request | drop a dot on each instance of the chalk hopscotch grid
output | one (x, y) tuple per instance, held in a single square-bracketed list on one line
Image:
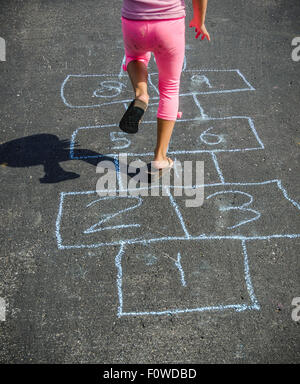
[(250, 121), (187, 235), (192, 93), (123, 243), (236, 307), (212, 152)]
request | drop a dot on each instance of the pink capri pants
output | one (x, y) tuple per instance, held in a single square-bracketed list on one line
[(166, 39)]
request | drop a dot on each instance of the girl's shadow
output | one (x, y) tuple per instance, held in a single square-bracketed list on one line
[(47, 150)]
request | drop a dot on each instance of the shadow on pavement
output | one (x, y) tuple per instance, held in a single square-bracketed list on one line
[(47, 150)]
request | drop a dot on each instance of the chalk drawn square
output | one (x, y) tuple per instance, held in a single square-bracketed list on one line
[(86, 220), (184, 276), (90, 91), (109, 140), (243, 210), (201, 82), (215, 135)]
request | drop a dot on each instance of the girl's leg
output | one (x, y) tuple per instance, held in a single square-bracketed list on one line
[(137, 57), (169, 56), (164, 133), (138, 75)]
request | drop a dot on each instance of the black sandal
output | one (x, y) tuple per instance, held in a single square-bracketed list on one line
[(133, 116)]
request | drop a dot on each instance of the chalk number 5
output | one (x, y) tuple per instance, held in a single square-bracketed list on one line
[(119, 136)]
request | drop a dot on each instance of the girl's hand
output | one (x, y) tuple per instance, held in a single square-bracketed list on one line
[(200, 29)]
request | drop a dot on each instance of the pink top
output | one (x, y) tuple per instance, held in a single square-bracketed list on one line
[(153, 9)]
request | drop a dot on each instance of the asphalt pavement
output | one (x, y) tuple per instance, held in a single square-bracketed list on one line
[(147, 279)]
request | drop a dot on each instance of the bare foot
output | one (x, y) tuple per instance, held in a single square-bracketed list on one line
[(161, 164)]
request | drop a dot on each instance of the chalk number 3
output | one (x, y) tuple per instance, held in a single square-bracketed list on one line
[(243, 207)]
